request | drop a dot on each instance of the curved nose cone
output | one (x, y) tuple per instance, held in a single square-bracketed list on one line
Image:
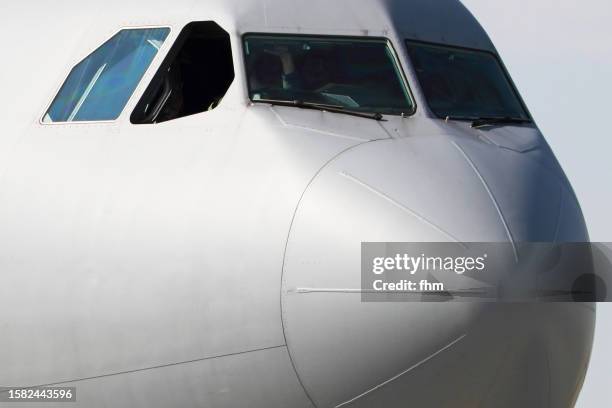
[(349, 353)]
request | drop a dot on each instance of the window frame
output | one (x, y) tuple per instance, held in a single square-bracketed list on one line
[(154, 61), (387, 41), (495, 56)]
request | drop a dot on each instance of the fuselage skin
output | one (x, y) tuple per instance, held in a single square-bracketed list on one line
[(160, 265)]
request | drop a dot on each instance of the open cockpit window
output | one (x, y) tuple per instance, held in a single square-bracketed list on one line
[(99, 87), (194, 77), (350, 74)]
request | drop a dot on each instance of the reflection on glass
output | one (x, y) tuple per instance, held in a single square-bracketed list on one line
[(99, 87)]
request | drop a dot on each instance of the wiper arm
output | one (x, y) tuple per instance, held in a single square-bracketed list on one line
[(507, 120), (478, 122), (323, 107)]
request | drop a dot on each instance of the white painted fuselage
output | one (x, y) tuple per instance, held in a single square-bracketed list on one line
[(160, 265)]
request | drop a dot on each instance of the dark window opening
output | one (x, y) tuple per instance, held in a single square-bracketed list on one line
[(194, 77)]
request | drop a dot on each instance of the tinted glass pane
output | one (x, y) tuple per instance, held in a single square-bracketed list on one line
[(359, 74), (99, 86), (464, 83)]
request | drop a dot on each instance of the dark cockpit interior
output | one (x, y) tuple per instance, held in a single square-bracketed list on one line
[(194, 77)]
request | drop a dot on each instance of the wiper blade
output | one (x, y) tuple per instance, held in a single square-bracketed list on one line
[(507, 120), (486, 121), (323, 107)]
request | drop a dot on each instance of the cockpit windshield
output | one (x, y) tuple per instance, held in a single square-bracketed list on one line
[(360, 75), (465, 84)]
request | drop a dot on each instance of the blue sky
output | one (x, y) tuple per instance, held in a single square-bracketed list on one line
[(559, 53)]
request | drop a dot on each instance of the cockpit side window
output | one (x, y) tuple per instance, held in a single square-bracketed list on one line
[(99, 87), (193, 78)]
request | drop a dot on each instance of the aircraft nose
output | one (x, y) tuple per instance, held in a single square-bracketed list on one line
[(350, 353)]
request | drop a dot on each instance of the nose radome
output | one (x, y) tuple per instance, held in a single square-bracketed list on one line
[(530, 192), (350, 353)]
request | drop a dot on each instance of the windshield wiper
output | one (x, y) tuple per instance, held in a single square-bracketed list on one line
[(323, 107), (478, 122), (492, 121)]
